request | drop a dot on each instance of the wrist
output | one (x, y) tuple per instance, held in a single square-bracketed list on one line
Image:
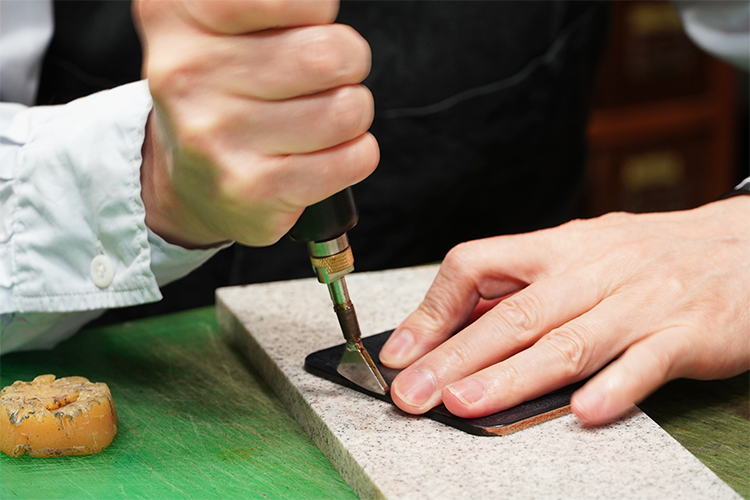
[(166, 214)]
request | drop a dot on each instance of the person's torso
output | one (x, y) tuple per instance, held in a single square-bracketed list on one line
[(480, 115)]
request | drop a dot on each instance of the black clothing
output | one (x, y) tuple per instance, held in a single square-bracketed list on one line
[(481, 109)]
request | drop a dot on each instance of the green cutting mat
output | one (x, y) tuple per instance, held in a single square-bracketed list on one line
[(712, 420), (195, 421)]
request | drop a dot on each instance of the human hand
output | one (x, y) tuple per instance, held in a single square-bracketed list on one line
[(258, 113), (664, 295)]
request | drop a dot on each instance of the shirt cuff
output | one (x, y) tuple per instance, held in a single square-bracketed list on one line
[(171, 262), (77, 239)]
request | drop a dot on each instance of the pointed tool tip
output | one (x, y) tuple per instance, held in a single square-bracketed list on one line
[(357, 366)]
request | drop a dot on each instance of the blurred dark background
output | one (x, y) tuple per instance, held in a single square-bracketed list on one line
[(669, 129)]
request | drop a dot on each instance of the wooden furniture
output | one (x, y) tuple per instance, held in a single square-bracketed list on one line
[(662, 135)]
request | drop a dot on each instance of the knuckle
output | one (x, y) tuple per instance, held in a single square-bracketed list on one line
[(574, 223), (352, 111), (615, 217), (521, 311), (320, 57), (673, 286), (362, 159), (574, 228), (568, 348), (196, 135), (454, 355), (263, 186), (460, 257), (231, 187), (146, 10), (352, 53), (432, 312), (170, 77), (333, 55)]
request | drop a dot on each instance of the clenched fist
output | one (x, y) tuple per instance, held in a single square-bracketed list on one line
[(258, 113)]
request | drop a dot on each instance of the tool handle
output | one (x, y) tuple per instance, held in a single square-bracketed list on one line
[(327, 219)]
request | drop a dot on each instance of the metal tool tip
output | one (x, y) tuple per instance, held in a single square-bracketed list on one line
[(357, 366)]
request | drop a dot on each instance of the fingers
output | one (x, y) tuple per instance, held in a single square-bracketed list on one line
[(259, 113), (335, 169), (514, 324), (642, 369), (301, 125), (483, 269), (271, 65), (235, 17), (279, 91), (315, 58), (232, 17), (565, 355), (257, 206), (309, 123)]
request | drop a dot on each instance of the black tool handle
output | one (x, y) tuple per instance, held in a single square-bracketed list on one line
[(327, 219)]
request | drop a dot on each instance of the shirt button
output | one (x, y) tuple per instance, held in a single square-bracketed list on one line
[(102, 271)]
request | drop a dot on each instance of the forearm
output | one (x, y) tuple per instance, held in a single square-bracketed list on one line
[(70, 200)]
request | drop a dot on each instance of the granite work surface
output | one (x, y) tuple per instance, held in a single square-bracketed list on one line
[(384, 453)]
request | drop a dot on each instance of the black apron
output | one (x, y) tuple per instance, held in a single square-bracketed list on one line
[(480, 113)]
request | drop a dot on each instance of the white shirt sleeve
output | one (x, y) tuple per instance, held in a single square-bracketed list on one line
[(73, 241), (721, 28)]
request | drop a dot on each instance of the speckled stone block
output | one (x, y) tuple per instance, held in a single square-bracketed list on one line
[(384, 453)]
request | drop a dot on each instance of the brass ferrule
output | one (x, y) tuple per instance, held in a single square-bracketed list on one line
[(331, 260)]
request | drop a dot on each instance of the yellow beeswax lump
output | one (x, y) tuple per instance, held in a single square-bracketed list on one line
[(48, 417)]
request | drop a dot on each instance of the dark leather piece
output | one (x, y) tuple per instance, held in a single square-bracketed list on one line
[(323, 364), (738, 191)]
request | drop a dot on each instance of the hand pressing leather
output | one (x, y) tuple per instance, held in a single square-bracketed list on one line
[(258, 113), (664, 295)]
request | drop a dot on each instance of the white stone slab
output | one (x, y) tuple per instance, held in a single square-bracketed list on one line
[(384, 453)]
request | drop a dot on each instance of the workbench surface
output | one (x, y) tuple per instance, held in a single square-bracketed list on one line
[(196, 421)]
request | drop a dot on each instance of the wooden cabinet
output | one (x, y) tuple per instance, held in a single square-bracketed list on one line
[(662, 135)]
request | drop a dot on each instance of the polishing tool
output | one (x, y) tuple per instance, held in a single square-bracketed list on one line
[(323, 226)]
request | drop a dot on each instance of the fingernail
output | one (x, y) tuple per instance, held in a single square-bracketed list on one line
[(468, 391), (416, 387), (398, 345)]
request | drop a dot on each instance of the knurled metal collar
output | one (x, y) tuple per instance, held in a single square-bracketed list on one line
[(334, 264)]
